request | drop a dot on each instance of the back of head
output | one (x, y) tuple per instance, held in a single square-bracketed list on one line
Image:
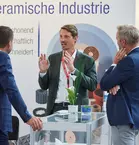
[(6, 35), (129, 33)]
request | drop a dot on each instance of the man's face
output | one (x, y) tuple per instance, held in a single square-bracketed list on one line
[(67, 40), (121, 42), (118, 41)]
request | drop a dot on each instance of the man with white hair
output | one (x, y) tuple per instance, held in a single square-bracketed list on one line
[(122, 82)]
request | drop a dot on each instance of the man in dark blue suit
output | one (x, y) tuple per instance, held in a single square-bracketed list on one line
[(122, 82), (9, 93)]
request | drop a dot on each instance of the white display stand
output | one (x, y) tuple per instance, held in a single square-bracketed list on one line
[(60, 123)]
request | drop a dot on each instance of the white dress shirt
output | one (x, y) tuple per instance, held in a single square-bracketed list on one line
[(62, 92)]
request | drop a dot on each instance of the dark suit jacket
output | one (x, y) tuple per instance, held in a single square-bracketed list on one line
[(123, 108), (9, 94), (51, 79)]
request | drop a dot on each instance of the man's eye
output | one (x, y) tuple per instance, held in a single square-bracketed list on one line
[(66, 36)]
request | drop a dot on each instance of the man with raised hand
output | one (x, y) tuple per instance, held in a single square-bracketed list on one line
[(64, 69), (122, 82)]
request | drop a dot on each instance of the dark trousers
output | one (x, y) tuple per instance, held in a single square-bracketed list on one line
[(3, 138)]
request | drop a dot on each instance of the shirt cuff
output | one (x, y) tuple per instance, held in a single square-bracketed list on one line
[(73, 77), (42, 75), (113, 64), (73, 72)]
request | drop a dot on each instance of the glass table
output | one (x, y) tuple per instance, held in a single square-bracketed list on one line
[(68, 122)]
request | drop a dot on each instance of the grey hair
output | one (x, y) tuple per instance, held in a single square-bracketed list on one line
[(129, 33)]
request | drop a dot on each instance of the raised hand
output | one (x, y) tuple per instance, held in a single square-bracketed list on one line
[(119, 56), (68, 61), (35, 123), (43, 63)]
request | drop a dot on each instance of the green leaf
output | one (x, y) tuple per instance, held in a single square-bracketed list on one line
[(71, 96)]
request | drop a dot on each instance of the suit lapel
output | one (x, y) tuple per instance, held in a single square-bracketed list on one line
[(58, 64), (56, 74), (77, 59)]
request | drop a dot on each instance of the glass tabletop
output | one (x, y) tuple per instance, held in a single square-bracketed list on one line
[(78, 117)]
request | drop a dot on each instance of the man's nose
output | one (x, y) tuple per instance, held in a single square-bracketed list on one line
[(62, 39)]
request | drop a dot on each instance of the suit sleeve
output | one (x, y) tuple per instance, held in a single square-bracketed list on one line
[(8, 84), (88, 77), (44, 81), (122, 72)]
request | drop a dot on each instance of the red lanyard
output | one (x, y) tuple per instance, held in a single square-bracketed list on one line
[(66, 72)]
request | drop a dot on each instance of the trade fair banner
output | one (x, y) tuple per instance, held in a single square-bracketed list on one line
[(36, 26)]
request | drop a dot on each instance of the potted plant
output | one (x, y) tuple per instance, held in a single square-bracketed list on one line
[(73, 91), (72, 97)]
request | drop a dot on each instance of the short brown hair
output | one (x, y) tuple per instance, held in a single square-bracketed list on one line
[(71, 28), (6, 35)]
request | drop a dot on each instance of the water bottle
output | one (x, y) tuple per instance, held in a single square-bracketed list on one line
[(104, 101)]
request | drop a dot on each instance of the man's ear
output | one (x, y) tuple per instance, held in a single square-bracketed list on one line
[(10, 44), (76, 38), (123, 42), (8, 47)]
